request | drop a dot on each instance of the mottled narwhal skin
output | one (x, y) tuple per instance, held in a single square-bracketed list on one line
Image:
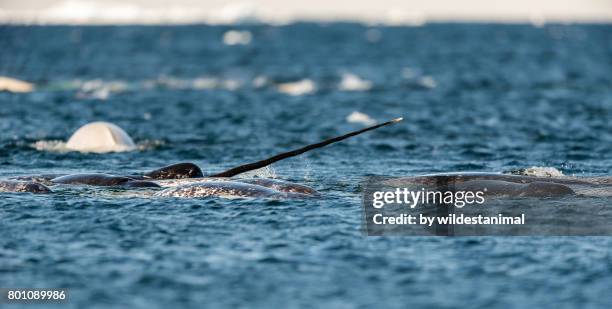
[(21, 186), (226, 189), (103, 180), (174, 171)]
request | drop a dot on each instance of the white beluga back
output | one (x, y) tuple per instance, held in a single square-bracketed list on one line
[(15, 85), (100, 137)]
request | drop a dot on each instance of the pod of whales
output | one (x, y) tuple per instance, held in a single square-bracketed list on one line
[(105, 137), (188, 180), (176, 180)]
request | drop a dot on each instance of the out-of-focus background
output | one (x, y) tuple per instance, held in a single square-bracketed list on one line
[(279, 11)]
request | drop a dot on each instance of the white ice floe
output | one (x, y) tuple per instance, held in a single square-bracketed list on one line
[(100, 137), (234, 37), (352, 82), (15, 85), (358, 117), (301, 87)]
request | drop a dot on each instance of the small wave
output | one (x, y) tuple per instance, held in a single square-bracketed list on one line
[(199, 83), (298, 88), (101, 89), (260, 81), (150, 144), (428, 82), (352, 82), (169, 183), (51, 145), (358, 117), (538, 171), (264, 172), (91, 89), (179, 83), (205, 83), (61, 146), (234, 37)]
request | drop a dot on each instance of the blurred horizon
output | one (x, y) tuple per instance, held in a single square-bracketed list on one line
[(392, 12)]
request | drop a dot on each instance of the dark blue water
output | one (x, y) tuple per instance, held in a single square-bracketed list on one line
[(474, 97)]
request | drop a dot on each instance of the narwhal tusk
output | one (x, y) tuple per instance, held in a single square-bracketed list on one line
[(259, 164)]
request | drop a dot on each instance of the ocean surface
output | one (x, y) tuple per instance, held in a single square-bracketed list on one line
[(475, 97)]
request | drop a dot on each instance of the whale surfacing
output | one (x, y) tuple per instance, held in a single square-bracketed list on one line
[(500, 185), (103, 180), (218, 188), (107, 137), (15, 85), (175, 171), (100, 137), (227, 189), (23, 186)]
